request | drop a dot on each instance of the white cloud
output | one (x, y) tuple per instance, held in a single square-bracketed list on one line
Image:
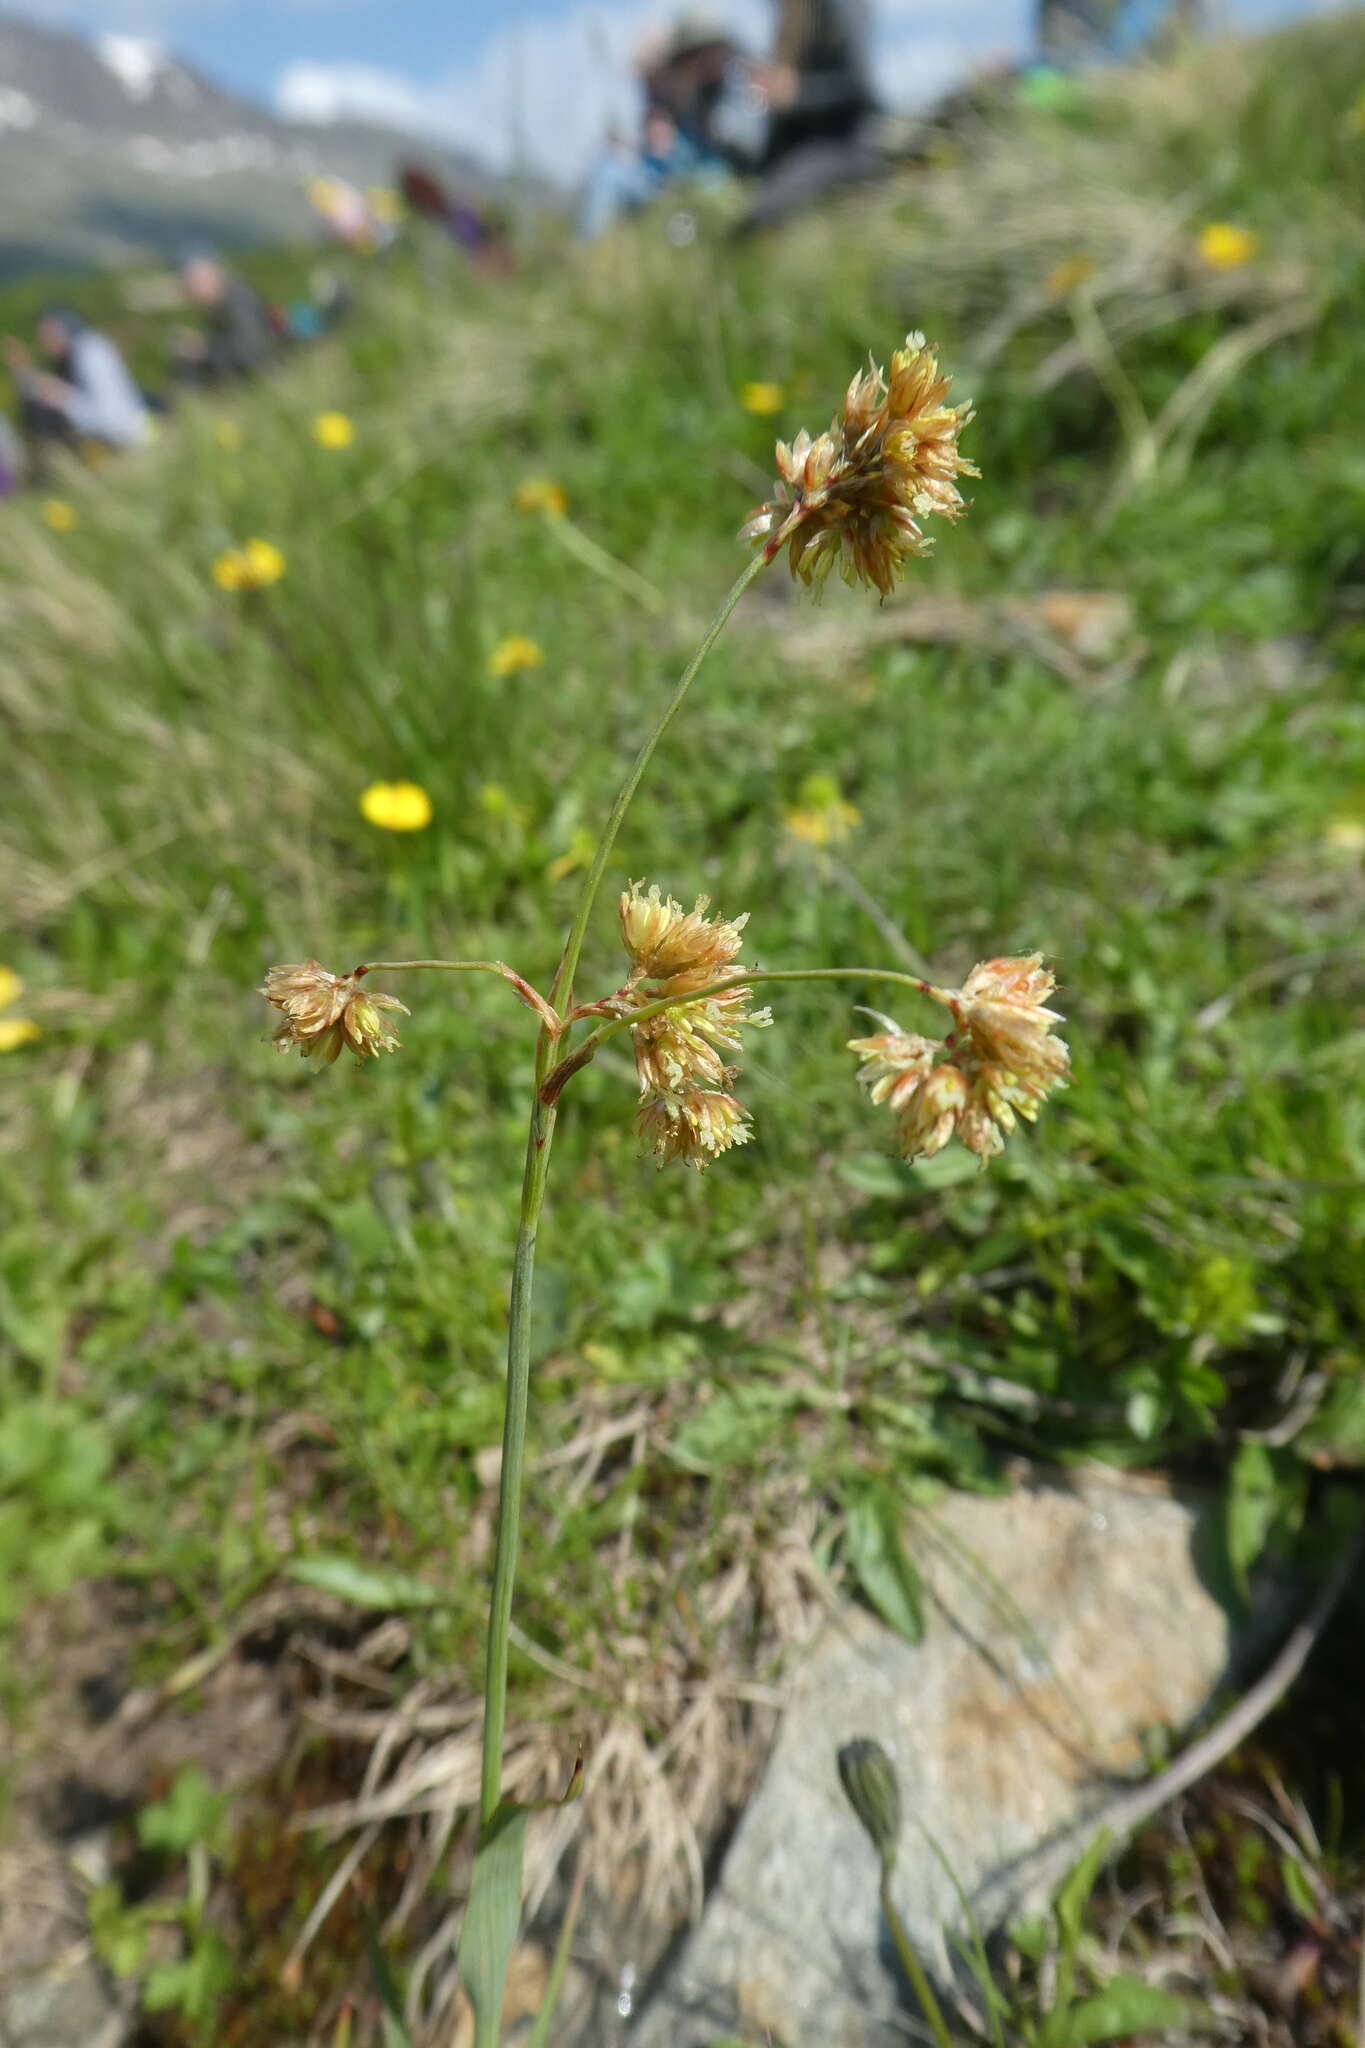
[(550, 91)]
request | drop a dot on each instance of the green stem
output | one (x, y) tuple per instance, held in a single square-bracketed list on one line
[(513, 1457), (561, 990), (532, 997), (914, 1969), (587, 1047)]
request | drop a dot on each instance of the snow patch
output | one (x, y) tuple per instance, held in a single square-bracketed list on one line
[(135, 61)]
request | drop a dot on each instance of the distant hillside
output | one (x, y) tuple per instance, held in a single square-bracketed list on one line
[(110, 149)]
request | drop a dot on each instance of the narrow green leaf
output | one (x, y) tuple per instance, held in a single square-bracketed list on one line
[(1249, 1510), (396, 2034), (878, 1561), (492, 1918), (363, 1585), (1127, 2006)]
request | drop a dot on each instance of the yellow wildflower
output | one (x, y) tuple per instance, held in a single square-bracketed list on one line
[(14, 1031), (60, 516), (761, 399), (822, 817), (384, 203), (513, 653), (252, 567), (542, 494), (1345, 833), (333, 430), (328, 1014), (1224, 246), (1066, 276), (396, 806), (228, 435), (857, 493)]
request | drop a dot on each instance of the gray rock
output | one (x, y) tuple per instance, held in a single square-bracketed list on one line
[(1066, 1619)]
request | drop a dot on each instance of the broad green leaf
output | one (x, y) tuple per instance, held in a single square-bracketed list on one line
[(872, 1173), (878, 1560), (1249, 1509), (364, 1585), (1127, 2006), (731, 1427), (492, 1918)]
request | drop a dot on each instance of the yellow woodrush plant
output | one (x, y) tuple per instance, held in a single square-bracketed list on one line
[(858, 495)]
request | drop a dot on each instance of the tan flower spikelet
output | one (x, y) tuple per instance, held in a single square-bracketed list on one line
[(664, 939), (999, 1063), (1001, 1009), (328, 1014), (858, 493), (694, 1125), (686, 1110)]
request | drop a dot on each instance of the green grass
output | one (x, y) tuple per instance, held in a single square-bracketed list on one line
[(250, 1314)]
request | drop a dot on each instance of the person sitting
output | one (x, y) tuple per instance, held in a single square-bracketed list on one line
[(822, 110), (86, 394), (236, 339)]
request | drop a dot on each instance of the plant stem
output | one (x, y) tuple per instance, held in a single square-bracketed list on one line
[(538, 1143), (914, 1969), (528, 995), (561, 990), (587, 1047)]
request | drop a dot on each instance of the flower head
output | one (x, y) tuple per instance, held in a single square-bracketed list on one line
[(1000, 1009), (513, 653), (396, 806), (328, 1014), (333, 430), (859, 492), (1224, 246), (999, 1063), (60, 516), (252, 567), (663, 939), (694, 1126), (542, 494), (761, 399)]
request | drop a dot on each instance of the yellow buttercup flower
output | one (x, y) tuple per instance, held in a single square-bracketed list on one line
[(252, 567), (513, 653), (822, 817), (761, 399), (1225, 246), (60, 516), (384, 204), (397, 806), (14, 1031), (333, 430), (228, 435), (542, 494)]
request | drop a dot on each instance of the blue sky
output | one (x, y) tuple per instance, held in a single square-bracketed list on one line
[(479, 70)]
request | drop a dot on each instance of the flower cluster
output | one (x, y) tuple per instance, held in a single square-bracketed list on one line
[(328, 1014), (686, 1110), (252, 567), (999, 1063), (857, 494)]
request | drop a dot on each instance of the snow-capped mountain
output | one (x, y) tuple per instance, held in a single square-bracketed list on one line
[(111, 148)]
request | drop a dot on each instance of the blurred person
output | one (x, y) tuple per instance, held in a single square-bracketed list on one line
[(822, 108), (236, 339), (683, 76), (86, 394), (11, 459)]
